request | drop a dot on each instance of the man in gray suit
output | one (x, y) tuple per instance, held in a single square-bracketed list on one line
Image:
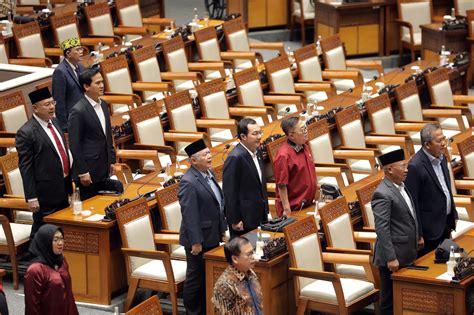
[(396, 224)]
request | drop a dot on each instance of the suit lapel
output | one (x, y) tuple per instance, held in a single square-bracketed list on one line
[(429, 168), (40, 131), (93, 114), (397, 193), (249, 160), (71, 72), (204, 183)]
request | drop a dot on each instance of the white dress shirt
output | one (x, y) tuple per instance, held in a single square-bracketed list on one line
[(255, 160), (98, 110), (405, 196)]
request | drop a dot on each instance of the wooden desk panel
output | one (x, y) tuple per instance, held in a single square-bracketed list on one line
[(419, 292), (433, 37)]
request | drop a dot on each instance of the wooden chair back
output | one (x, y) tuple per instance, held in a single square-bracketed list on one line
[(334, 53), (236, 35), (150, 306), (64, 26), (175, 55), (350, 127), (409, 102), (380, 115), (209, 107), (146, 124), (151, 72), (307, 63), (28, 40), (207, 44), (337, 224), (439, 87), (279, 75), (364, 195), (249, 89), (319, 141), (466, 150), (462, 7), (273, 147), (99, 19), (13, 112)]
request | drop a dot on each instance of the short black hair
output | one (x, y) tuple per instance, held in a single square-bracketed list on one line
[(232, 248), (243, 126), (65, 52), (289, 123), (85, 78)]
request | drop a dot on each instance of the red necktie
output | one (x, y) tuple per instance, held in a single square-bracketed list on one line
[(61, 150)]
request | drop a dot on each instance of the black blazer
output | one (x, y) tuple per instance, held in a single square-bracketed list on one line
[(40, 165), (66, 91), (395, 225), (428, 195), (202, 220), (93, 151), (245, 195)]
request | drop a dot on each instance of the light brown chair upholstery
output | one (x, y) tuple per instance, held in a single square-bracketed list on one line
[(150, 306), (334, 56), (340, 236), (364, 195), (320, 290), (302, 14), (441, 94), (412, 14), (146, 267)]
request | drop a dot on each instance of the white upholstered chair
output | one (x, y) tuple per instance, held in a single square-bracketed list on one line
[(411, 110), (237, 40), (149, 135), (12, 113), (412, 14), (170, 215), (382, 121), (324, 291), (462, 6), (147, 267), (302, 13), (351, 132), (181, 116), (177, 61), (334, 57), (35, 62), (340, 236), (364, 195), (441, 94)]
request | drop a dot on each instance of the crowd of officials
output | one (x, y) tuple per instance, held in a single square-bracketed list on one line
[(413, 206)]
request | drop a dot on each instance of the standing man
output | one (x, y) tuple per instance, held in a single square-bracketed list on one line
[(429, 183), (90, 137), (43, 160), (295, 174), (237, 291), (203, 224), (67, 90), (396, 224), (244, 185)]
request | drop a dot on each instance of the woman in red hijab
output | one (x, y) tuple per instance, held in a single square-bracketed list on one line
[(47, 282)]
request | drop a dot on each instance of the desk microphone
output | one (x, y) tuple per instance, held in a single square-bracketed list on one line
[(149, 180), (223, 151), (302, 204), (138, 171)]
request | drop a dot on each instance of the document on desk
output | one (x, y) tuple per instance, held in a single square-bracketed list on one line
[(445, 276), (94, 218)]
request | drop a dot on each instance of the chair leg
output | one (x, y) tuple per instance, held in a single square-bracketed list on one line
[(132, 288), (174, 303), (15, 270), (302, 305), (413, 56)]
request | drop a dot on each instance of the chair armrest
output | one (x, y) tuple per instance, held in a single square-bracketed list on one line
[(271, 187), (328, 171), (314, 274), (128, 99), (53, 51), (14, 203), (375, 150), (442, 113), (143, 253), (365, 237), (270, 46), (354, 154), (246, 55), (183, 136), (409, 126), (158, 21), (349, 250), (34, 62), (282, 99), (169, 231), (137, 154), (127, 30), (166, 238), (467, 184), (368, 229), (463, 99), (366, 64), (93, 41), (248, 111), (339, 165), (351, 259), (386, 139), (151, 86), (353, 75), (216, 123), (7, 142), (116, 39), (201, 66), (181, 76), (160, 148), (320, 87)]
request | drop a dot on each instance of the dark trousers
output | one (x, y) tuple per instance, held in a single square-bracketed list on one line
[(44, 211), (234, 233), (432, 244), (194, 290), (386, 291), (91, 190)]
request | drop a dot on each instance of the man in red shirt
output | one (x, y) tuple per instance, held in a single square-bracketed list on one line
[(295, 174)]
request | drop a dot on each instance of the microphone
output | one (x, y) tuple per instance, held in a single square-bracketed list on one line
[(223, 151), (142, 185), (302, 204), (138, 171)]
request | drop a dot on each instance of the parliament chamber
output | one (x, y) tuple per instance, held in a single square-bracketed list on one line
[(364, 75)]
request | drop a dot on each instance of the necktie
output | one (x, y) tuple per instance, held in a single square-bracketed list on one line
[(62, 152), (76, 69)]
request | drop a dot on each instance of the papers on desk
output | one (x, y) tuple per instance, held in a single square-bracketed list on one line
[(94, 218), (445, 276)]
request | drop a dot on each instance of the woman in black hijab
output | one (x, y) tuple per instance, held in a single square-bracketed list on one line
[(47, 282)]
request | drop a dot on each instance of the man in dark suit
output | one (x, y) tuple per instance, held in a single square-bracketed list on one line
[(396, 224), (244, 184), (203, 224), (67, 90), (429, 183), (90, 137), (43, 160)]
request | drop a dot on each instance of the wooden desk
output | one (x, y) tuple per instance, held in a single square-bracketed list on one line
[(433, 37), (277, 284), (419, 292), (360, 24), (93, 249)]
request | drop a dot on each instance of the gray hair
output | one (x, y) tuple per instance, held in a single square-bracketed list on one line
[(426, 133)]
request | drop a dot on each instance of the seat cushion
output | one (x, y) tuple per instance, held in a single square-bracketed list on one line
[(24, 217), (21, 233), (220, 135), (315, 97), (360, 166), (461, 228), (416, 13), (177, 251), (452, 123), (131, 16), (462, 214), (180, 85), (416, 38), (351, 270), (323, 291), (343, 85), (155, 270), (442, 94)]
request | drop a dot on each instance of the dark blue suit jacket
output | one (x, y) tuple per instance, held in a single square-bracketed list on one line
[(202, 220), (66, 91), (428, 195)]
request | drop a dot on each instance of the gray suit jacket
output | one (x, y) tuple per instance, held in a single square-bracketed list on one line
[(395, 225)]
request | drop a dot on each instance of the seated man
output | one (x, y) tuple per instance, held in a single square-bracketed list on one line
[(295, 174), (237, 291)]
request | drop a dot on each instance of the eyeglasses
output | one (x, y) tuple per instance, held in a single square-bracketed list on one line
[(301, 130), (58, 239)]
